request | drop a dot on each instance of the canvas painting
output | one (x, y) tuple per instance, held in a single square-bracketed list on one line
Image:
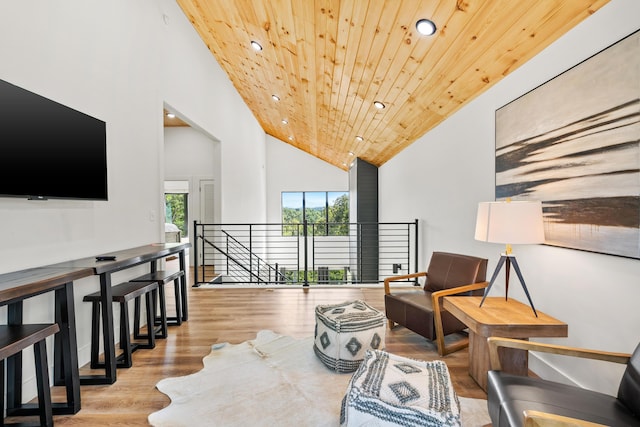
[(574, 144)]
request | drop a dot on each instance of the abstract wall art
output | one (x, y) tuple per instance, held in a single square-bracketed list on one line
[(574, 144)]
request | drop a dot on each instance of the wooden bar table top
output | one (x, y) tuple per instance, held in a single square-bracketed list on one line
[(127, 258), (502, 318), (20, 285)]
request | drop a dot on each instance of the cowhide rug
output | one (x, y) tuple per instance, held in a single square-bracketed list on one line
[(273, 380)]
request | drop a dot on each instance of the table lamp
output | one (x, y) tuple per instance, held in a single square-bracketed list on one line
[(510, 222)]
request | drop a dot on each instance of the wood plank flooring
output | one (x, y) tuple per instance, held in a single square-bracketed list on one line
[(234, 315)]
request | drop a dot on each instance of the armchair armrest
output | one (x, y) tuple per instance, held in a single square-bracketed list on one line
[(545, 419), (458, 290), (437, 314), (403, 277), (496, 342)]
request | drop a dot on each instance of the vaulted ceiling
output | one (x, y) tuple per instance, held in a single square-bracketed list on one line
[(328, 61)]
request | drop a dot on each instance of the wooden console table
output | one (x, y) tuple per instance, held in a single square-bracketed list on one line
[(502, 318)]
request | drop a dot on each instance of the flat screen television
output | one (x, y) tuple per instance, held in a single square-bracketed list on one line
[(48, 150)]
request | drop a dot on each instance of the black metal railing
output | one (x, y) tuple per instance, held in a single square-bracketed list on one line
[(290, 254)]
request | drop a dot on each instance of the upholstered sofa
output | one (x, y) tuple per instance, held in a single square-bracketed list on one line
[(421, 310)]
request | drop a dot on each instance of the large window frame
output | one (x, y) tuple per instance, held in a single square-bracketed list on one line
[(326, 211)]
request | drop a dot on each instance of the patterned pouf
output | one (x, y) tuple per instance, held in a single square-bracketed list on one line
[(390, 390), (344, 332)]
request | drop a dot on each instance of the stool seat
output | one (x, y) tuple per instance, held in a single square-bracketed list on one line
[(160, 276), (14, 339), (122, 294), (344, 332), (163, 277), (391, 390)]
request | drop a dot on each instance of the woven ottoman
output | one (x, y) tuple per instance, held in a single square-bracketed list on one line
[(344, 332), (390, 390)]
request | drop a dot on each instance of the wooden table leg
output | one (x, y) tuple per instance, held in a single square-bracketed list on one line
[(14, 362), (66, 371), (513, 361), (478, 359), (183, 286)]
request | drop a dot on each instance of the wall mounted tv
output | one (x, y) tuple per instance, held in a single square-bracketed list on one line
[(48, 150)]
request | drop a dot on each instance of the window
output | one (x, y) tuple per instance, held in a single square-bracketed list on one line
[(175, 206), (326, 212)]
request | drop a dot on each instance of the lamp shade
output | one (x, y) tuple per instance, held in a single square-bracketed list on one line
[(510, 222)]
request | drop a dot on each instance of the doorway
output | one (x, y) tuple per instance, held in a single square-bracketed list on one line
[(176, 209)]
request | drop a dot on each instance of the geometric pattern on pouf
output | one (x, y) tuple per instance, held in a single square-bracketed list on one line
[(344, 332), (390, 390)]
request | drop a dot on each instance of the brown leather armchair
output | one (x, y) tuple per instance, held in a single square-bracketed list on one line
[(421, 310), (513, 400)]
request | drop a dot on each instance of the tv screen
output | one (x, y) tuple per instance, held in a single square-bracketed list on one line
[(48, 150)]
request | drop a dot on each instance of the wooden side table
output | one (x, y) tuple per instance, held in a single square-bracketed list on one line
[(502, 318)]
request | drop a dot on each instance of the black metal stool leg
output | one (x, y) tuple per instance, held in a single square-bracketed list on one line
[(42, 378)]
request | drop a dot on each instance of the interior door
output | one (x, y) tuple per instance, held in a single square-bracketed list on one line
[(206, 188)]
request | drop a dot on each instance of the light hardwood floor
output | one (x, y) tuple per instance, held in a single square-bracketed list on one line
[(235, 315)]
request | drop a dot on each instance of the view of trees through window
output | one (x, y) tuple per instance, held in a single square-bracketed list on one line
[(175, 207), (326, 212)]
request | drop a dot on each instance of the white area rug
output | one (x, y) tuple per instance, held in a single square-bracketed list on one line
[(274, 380)]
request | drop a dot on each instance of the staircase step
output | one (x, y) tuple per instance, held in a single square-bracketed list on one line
[(216, 279)]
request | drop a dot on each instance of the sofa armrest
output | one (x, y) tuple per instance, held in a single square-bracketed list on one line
[(496, 342), (545, 419), (437, 314), (403, 277)]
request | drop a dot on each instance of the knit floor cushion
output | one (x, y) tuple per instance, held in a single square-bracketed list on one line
[(344, 332), (390, 390)]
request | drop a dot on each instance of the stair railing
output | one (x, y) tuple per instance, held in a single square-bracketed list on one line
[(304, 253)]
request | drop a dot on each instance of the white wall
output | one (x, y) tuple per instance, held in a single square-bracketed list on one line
[(75, 54), (441, 178), (120, 61), (291, 169)]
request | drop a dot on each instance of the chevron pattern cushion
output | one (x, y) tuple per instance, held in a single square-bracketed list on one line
[(390, 390), (344, 332)]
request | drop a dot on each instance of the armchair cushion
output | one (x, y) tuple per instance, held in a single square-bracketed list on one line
[(447, 270), (413, 310)]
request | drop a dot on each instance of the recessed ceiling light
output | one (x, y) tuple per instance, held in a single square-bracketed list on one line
[(256, 46), (379, 105), (290, 138), (426, 27), (171, 115), (285, 122), (275, 97), (359, 138), (351, 153)]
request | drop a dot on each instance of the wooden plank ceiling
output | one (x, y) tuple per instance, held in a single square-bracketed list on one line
[(329, 60)]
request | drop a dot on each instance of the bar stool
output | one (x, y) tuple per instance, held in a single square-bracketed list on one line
[(180, 292), (122, 294), (14, 339)]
